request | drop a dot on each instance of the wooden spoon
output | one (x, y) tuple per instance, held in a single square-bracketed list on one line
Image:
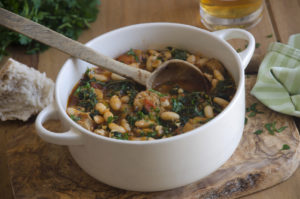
[(170, 70)]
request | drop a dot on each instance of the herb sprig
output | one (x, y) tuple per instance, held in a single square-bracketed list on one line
[(66, 17), (253, 110)]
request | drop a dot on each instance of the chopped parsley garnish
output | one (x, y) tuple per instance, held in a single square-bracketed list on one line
[(86, 96), (269, 36), (157, 93), (131, 52), (253, 110), (258, 132), (257, 45), (285, 147), (246, 120), (239, 50), (120, 136), (75, 118), (179, 54), (271, 127)]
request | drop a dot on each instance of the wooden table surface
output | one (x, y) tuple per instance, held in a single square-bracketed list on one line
[(281, 18)]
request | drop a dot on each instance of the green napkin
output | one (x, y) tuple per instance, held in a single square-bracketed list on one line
[(278, 80)]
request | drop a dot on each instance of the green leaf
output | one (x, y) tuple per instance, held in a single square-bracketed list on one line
[(257, 45), (157, 93), (270, 128), (246, 120), (281, 129), (269, 36), (258, 132), (75, 118), (285, 147), (131, 52)]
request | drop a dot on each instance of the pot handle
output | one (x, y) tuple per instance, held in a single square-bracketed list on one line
[(236, 33), (66, 138)]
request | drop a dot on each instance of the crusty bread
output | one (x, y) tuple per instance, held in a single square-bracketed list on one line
[(24, 91)]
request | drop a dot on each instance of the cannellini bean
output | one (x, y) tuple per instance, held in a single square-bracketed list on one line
[(125, 125), (153, 52), (73, 111), (214, 83), (208, 76), (221, 101), (101, 108), (101, 77), (100, 132), (197, 120), (150, 59), (125, 99), (135, 65), (164, 102), (115, 103), (191, 59), (167, 54), (208, 111), (98, 119), (159, 130), (99, 94), (201, 61), (180, 90), (114, 127), (151, 138), (218, 75), (107, 115), (143, 123), (115, 76), (169, 116)]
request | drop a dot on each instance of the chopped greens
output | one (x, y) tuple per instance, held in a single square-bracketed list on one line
[(269, 36), (75, 118), (120, 136), (86, 95), (179, 54), (258, 132), (271, 127), (66, 17), (257, 45), (285, 147), (131, 52), (157, 93), (253, 110)]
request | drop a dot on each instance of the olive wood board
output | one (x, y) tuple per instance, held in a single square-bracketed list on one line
[(41, 170)]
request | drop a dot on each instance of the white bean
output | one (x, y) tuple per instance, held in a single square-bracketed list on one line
[(116, 128), (169, 116), (107, 115), (115, 103), (218, 75), (223, 103), (100, 132), (101, 108), (143, 123), (208, 111), (99, 94), (125, 99), (191, 59), (101, 77), (98, 119), (115, 76), (125, 125)]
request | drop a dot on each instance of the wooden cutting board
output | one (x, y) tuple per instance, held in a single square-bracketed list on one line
[(41, 170)]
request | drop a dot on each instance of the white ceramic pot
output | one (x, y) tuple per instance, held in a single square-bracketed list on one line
[(159, 164)]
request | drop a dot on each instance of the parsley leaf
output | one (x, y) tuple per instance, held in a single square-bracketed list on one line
[(66, 17), (258, 132), (131, 52), (74, 117), (285, 147)]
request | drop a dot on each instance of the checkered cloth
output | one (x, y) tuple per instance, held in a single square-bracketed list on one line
[(278, 80)]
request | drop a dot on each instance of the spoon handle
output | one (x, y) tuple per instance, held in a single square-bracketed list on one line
[(56, 40)]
